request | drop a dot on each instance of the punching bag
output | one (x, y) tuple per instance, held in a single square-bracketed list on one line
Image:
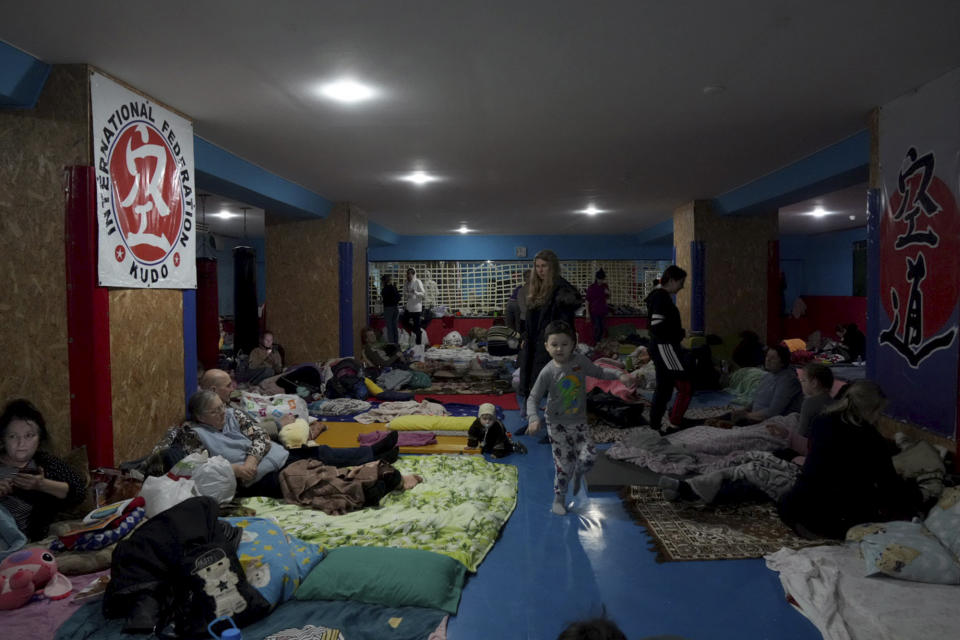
[(208, 313), (246, 324)]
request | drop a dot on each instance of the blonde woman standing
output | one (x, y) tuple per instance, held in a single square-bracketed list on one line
[(549, 298)]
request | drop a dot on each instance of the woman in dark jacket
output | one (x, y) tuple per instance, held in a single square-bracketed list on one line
[(848, 477), (550, 298)]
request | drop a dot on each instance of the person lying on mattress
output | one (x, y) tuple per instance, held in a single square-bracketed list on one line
[(772, 473), (778, 394), (34, 485), (247, 447), (848, 477)]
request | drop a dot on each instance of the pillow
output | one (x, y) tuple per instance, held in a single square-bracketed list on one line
[(274, 562), (388, 576), (905, 550), (944, 520), (372, 387), (431, 423)]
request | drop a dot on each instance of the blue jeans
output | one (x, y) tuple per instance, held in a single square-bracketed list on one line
[(391, 316)]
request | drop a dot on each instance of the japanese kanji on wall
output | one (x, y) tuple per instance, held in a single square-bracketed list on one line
[(919, 254), (145, 190)]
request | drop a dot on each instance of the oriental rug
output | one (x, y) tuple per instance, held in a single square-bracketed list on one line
[(695, 531)]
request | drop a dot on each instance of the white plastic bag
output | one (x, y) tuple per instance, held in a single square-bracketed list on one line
[(163, 492), (216, 479), (188, 465), (453, 339)]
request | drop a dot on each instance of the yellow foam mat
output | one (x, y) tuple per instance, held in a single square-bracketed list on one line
[(344, 434)]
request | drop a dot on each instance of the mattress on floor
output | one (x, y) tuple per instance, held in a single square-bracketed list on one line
[(458, 510)]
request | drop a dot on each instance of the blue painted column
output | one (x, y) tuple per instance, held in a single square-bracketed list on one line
[(189, 344), (345, 250), (698, 285)]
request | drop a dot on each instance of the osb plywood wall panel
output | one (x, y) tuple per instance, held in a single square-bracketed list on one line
[(35, 146), (146, 367), (358, 236), (683, 234), (736, 270), (302, 284)]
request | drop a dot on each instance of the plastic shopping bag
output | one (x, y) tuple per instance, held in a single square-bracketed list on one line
[(163, 492), (216, 479)]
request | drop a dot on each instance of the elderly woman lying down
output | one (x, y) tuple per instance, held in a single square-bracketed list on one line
[(275, 472)]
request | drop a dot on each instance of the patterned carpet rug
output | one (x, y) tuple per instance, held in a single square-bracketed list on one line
[(694, 531)]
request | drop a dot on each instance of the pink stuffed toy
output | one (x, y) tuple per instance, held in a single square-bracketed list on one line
[(27, 572)]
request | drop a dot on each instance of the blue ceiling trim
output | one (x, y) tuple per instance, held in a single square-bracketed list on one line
[(227, 175), (661, 233), (378, 236), (840, 165), (21, 78)]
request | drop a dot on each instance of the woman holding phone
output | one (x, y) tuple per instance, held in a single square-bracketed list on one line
[(34, 485)]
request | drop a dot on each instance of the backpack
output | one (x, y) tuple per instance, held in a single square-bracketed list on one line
[(346, 380)]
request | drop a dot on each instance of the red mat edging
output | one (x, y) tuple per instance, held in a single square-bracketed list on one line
[(506, 401)]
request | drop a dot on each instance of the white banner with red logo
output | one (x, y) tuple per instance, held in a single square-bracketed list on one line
[(143, 154)]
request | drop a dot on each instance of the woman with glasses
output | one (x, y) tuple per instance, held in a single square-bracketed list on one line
[(255, 459)]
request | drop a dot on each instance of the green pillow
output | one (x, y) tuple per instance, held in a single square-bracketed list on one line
[(387, 576)]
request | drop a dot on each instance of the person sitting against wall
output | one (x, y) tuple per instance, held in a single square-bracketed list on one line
[(34, 484), (748, 352), (256, 461), (265, 360), (848, 477), (380, 354), (779, 393), (853, 342)]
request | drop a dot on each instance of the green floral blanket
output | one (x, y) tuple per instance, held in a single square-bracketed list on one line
[(458, 511)]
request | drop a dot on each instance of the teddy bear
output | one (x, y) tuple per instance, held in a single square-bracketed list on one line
[(28, 572)]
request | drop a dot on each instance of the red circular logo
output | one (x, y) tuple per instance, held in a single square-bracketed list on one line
[(937, 271), (176, 259), (147, 195)]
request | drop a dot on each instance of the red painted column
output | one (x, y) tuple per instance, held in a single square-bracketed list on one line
[(208, 313), (88, 323)]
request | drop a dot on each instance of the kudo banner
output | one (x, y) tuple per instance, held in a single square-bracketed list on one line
[(143, 155)]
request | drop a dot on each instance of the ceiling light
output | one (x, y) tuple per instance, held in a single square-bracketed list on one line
[(713, 89), (347, 91), (463, 229), (591, 210), (225, 215), (419, 178), (853, 217), (819, 212)]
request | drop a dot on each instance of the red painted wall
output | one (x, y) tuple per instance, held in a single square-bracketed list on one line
[(824, 313), (440, 327)]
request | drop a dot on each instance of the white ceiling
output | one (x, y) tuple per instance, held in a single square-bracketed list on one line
[(529, 109)]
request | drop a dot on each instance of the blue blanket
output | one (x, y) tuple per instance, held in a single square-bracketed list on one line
[(357, 621)]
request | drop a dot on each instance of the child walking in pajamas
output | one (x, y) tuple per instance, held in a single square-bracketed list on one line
[(563, 380)]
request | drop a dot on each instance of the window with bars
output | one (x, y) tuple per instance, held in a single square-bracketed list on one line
[(481, 288)]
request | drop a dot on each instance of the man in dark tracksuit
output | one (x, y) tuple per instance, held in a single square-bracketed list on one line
[(663, 320)]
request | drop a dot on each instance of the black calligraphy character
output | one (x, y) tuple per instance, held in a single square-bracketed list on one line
[(913, 326), (916, 201)]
